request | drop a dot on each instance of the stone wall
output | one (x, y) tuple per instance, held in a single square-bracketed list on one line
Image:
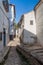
[(39, 23), (29, 29)]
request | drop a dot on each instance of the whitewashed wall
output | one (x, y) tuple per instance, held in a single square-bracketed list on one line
[(14, 32), (20, 29), (1, 29), (19, 32), (1, 5), (11, 17), (39, 21), (29, 30), (3, 24)]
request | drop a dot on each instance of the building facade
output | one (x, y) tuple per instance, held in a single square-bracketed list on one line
[(4, 23), (12, 19), (27, 28), (39, 21), (20, 26)]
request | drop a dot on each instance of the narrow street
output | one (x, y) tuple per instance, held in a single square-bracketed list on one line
[(21, 32), (13, 57)]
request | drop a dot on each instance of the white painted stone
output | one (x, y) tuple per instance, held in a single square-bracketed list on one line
[(39, 23), (29, 30), (11, 18), (4, 23)]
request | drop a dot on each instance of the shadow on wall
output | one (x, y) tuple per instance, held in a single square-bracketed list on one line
[(28, 37)]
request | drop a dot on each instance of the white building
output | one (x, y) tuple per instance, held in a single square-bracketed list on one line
[(20, 26), (4, 25), (28, 28), (39, 21), (12, 19)]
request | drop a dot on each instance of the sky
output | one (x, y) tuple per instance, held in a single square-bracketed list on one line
[(23, 6)]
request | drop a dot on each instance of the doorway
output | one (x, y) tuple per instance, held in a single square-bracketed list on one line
[(4, 36)]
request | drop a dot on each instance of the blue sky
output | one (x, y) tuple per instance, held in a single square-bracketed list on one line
[(23, 6)]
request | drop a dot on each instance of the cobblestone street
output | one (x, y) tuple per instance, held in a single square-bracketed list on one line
[(13, 57)]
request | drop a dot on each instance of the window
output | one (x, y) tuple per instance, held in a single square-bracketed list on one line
[(31, 22), (6, 6), (0, 36)]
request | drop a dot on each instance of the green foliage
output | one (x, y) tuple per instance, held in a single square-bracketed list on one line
[(15, 25)]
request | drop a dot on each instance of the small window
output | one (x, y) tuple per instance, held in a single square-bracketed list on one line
[(31, 22), (0, 36), (6, 5)]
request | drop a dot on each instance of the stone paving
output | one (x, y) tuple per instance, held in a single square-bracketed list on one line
[(31, 53), (13, 57), (4, 53), (34, 52)]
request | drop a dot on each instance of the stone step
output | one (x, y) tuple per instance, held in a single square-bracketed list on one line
[(32, 55)]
